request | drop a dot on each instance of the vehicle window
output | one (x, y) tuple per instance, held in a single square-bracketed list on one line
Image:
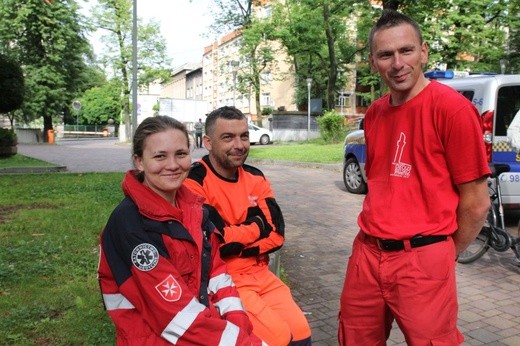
[(467, 94), (508, 104)]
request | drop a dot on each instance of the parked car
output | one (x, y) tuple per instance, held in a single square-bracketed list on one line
[(354, 162), (259, 135), (496, 98)]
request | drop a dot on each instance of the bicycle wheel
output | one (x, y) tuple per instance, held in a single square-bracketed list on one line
[(480, 245)]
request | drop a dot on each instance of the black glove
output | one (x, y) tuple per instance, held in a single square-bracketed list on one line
[(264, 227), (231, 249)]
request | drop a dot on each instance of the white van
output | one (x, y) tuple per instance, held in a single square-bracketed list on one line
[(497, 97)]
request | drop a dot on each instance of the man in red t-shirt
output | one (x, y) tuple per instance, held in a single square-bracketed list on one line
[(427, 199)]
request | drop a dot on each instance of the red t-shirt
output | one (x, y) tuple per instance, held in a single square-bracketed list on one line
[(417, 153)]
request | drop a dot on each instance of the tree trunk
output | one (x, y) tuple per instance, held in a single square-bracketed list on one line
[(331, 84)]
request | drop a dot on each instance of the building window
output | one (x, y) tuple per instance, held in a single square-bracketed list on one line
[(361, 101), (344, 100), (266, 99), (265, 78)]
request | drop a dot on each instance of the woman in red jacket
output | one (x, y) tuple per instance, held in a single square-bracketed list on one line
[(160, 273)]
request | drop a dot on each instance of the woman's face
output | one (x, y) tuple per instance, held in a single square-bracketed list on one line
[(166, 162)]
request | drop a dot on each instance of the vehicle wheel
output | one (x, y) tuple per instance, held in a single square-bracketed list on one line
[(501, 241), (353, 177), (480, 245), (264, 139)]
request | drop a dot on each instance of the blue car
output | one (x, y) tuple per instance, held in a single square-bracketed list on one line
[(354, 162)]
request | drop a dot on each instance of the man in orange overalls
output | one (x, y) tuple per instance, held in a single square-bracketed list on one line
[(244, 209)]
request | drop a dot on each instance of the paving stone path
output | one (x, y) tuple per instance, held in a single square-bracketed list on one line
[(320, 221)]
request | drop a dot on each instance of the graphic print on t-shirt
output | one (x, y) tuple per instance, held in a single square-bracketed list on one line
[(401, 169)]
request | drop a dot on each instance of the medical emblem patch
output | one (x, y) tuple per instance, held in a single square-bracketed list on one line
[(169, 289), (145, 257)]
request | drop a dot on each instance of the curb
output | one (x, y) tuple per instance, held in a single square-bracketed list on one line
[(336, 167)]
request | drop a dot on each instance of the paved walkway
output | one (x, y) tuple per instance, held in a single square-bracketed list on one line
[(320, 221)]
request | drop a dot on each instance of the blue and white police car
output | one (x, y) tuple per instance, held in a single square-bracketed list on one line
[(496, 96)]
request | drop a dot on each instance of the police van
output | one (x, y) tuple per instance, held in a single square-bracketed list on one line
[(496, 96)]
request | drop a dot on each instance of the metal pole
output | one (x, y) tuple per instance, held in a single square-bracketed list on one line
[(234, 85), (134, 71), (502, 66), (309, 82), (234, 68)]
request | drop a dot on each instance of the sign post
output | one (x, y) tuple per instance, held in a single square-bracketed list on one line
[(77, 106)]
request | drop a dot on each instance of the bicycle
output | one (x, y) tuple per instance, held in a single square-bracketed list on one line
[(493, 233)]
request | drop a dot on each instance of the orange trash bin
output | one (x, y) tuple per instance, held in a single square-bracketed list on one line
[(50, 136)]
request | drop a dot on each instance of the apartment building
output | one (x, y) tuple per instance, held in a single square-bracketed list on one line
[(222, 66)]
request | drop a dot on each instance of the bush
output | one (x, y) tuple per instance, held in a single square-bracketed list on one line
[(267, 111), (332, 128), (8, 138)]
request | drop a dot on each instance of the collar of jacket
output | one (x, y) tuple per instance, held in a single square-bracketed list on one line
[(153, 206)]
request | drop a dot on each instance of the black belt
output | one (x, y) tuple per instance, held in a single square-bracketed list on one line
[(397, 245)]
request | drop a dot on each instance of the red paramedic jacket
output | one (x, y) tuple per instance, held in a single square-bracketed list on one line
[(161, 276)]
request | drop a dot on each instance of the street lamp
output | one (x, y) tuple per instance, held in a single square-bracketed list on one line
[(134, 74), (309, 82), (234, 68), (503, 66)]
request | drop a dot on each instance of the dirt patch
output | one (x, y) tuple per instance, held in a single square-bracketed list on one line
[(4, 211)]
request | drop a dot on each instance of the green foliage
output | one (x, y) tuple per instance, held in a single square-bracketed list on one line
[(114, 17), (267, 110), (49, 43), (49, 235), (321, 42), (12, 86), (332, 128), (101, 103), (457, 30), (7, 137)]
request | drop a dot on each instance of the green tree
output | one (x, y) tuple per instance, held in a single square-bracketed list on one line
[(101, 103), (12, 87), (462, 34), (513, 44), (115, 18), (48, 41), (258, 56), (465, 35), (255, 48), (319, 40)]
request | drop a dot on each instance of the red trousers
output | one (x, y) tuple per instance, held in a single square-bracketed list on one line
[(271, 308), (415, 286)]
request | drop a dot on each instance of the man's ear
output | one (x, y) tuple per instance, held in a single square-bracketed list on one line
[(373, 67), (206, 141)]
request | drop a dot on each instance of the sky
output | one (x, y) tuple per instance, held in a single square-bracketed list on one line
[(182, 25)]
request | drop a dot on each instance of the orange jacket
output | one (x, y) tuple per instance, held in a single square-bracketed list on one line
[(244, 210)]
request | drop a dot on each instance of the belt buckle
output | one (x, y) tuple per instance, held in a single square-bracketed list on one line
[(379, 244)]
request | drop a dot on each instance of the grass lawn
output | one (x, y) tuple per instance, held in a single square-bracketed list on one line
[(19, 160), (49, 230), (299, 151)]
